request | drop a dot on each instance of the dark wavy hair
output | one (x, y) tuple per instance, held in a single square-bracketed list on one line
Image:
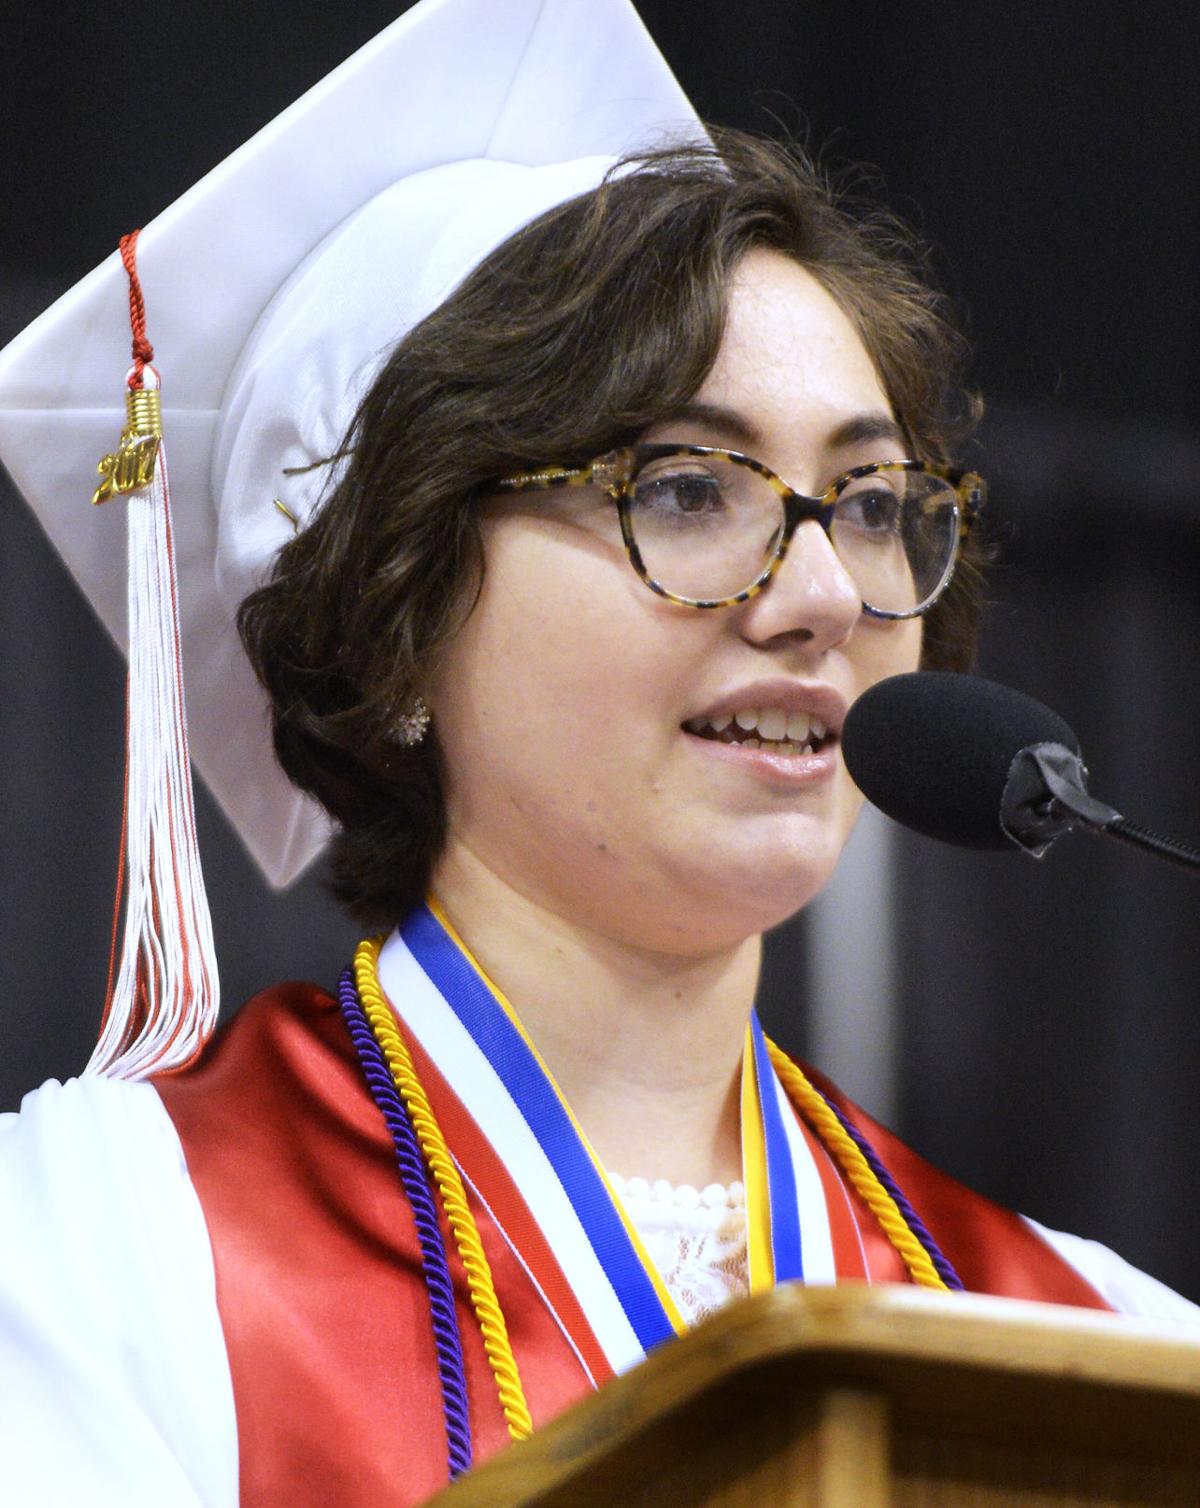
[(575, 336)]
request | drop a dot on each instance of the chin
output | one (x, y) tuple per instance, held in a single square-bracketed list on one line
[(752, 892)]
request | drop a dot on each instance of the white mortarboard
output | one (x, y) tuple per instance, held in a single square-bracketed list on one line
[(239, 306), (272, 288)]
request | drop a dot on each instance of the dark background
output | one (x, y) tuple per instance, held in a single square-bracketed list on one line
[(1050, 1042)]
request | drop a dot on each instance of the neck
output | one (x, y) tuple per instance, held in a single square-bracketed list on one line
[(645, 1046)]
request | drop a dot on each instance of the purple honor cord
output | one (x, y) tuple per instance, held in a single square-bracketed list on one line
[(914, 1222), (435, 1266)]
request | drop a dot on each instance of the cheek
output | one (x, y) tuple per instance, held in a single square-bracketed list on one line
[(886, 648), (558, 673)]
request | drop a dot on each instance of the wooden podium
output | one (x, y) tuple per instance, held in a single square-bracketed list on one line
[(854, 1397)]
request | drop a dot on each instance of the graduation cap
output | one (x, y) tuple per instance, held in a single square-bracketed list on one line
[(274, 288)]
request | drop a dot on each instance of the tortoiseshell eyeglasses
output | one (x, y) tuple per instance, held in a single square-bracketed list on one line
[(708, 528)]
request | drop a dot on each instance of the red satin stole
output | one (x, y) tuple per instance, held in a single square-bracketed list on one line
[(319, 1286)]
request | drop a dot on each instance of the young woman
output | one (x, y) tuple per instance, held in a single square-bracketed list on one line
[(618, 534)]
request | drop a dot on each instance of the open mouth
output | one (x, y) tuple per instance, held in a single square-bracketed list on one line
[(768, 728)]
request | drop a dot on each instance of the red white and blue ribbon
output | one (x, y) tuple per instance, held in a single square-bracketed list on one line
[(527, 1159)]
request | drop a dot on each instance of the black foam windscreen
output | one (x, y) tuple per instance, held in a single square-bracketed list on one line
[(934, 749)]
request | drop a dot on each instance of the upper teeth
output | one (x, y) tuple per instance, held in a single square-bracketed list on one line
[(772, 724)]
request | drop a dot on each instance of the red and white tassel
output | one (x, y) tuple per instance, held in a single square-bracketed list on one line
[(162, 1004)]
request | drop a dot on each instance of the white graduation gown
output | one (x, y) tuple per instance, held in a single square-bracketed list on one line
[(115, 1388)]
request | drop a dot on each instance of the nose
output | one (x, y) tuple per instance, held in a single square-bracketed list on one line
[(810, 597)]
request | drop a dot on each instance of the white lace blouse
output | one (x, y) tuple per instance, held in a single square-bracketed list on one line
[(695, 1237)]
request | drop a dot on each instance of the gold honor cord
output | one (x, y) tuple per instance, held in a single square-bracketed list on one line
[(866, 1185), (488, 1313)]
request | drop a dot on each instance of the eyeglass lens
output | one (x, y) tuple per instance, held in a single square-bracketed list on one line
[(706, 526)]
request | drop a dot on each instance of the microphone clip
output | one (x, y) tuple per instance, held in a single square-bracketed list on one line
[(1046, 794)]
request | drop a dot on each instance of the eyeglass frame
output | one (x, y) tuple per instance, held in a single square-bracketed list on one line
[(616, 470)]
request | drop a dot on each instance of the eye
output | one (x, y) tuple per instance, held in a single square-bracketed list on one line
[(678, 491), (871, 506)]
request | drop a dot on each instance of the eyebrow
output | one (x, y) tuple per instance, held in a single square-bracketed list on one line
[(859, 429), (716, 416), (863, 428)]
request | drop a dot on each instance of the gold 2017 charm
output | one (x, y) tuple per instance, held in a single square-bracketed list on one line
[(131, 465)]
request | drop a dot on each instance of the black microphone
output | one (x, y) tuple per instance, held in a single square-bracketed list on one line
[(975, 763)]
